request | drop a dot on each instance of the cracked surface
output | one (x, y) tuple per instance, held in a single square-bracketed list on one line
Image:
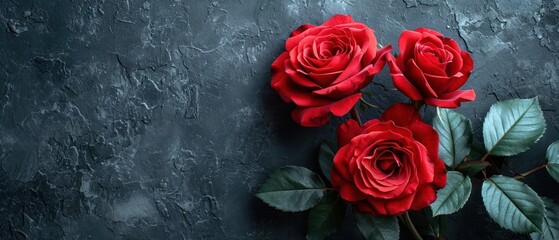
[(150, 119)]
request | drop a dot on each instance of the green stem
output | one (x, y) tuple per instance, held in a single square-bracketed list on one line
[(368, 103), (485, 156), (530, 172), (442, 227), (411, 227), (355, 115), (402, 220), (417, 104)]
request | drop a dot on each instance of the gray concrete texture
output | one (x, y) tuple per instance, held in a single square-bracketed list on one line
[(125, 119)]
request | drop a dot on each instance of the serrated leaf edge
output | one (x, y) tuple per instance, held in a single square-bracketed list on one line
[(500, 189), (455, 162), (338, 200), (534, 100), (464, 179), (258, 195)]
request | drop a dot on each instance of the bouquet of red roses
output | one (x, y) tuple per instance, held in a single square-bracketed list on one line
[(397, 164)]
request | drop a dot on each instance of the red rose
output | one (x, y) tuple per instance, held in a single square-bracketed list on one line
[(431, 68), (388, 166), (324, 67)]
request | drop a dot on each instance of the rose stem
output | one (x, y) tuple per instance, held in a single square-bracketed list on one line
[(355, 115), (442, 228), (485, 156), (368, 103), (417, 104), (532, 171), (403, 221), (411, 227)]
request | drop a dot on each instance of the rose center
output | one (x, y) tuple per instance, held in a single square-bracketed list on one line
[(439, 55), (329, 49), (389, 163), (326, 48)]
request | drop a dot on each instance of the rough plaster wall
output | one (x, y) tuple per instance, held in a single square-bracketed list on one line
[(125, 119)]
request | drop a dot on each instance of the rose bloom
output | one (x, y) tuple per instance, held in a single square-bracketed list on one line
[(431, 68), (324, 67), (388, 166)]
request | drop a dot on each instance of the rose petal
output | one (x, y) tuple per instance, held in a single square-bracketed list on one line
[(294, 41), (343, 106), (401, 82), (324, 76), (467, 66), (288, 91), (430, 31), (425, 169), (341, 166), (427, 136), (382, 127), (311, 116), (347, 131), (359, 80), (338, 19), (439, 84), (319, 115), (347, 86), (278, 67), (347, 190), (401, 114), (365, 207), (291, 92), (333, 66), (457, 61), (373, 189), (323, 79), (299, 78), (423, 197), (365, 176), (350, 193), (301, 29), (429, 39), (453, 99), (406, 43), (370, 123), (451, 43), (372, 181), (429, 64), (440, 173), (353, 67), (416, 77), (382, 207), (371, 49)]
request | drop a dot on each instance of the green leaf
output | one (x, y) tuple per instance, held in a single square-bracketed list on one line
[(326, 159), (473, 167), (512, 204), (454, 195), (550, 226), (326, 217), (377, 227), (292, 189), (553, 160), (512, 126), (455, 136), (478, 150)]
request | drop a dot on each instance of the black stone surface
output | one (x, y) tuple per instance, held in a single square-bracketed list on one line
[(125, 119)]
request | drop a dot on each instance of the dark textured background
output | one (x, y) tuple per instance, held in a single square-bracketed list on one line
[(125, 119)]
